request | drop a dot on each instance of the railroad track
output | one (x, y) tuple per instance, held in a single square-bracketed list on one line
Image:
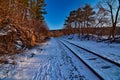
[(94, 53), (103, 68), (93, 71)]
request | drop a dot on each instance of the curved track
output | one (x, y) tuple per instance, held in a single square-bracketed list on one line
[(97, 54), (99, 65), (91, 69)]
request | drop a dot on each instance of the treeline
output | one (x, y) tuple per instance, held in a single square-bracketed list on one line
[(105, 14), (97, 31), (22, 24)]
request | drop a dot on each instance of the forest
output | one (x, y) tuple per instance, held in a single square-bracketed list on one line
[(101, 20), (22, 25)]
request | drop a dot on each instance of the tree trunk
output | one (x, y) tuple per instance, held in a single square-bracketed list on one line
[(114, 22), (112, 32), (79, 29)]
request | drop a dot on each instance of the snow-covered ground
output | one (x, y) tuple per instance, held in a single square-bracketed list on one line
[(50, 61)]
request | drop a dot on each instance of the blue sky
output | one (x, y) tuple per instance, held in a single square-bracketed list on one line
[(58, 10)]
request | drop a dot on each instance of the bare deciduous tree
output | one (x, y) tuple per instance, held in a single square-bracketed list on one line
[(113, 7)]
